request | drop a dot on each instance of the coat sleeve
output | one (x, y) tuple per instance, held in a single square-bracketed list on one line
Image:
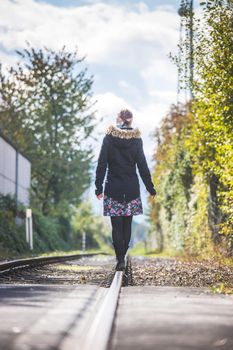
[(101, 167), (144, 170)]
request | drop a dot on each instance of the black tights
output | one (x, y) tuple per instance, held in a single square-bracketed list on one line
[(121, 234)]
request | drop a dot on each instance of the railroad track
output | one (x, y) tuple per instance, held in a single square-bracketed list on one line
[(37, 261), (87, 328), (39, 269)]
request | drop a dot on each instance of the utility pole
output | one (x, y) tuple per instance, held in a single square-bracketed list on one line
[(191, 61), (16, 185), (186, 13), (84, 242)]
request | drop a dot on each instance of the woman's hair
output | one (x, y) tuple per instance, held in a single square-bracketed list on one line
[(126, 116)]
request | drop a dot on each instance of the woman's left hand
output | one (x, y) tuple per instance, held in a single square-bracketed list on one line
[(100, 196)]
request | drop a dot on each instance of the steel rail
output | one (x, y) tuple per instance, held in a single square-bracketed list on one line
[(21, 263), (98, 335)]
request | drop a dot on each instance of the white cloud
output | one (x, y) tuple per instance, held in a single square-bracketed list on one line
[(109, 104), (160, 71), (124, 84), (111, 34), (125, 37)]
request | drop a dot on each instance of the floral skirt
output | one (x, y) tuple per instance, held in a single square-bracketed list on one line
[(114, 208)]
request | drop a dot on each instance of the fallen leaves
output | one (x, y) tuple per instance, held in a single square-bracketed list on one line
[(175, 272)]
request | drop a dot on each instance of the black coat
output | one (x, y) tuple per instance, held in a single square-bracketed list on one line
[(121, 151)]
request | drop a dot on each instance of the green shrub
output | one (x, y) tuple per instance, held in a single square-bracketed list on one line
[(49, 233)]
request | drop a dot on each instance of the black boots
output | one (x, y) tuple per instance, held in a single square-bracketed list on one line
[(120, 266), (120, 256)]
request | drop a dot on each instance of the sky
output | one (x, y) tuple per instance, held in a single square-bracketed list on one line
[(126, 45)]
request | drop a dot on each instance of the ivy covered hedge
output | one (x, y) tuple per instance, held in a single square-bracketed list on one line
[(179, 216), (193, 169)]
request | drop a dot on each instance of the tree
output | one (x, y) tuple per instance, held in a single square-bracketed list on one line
[(212, 132), (96, 229), (194, 155), (45, 108)]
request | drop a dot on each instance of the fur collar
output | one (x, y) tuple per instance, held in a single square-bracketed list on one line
[(123, 133)]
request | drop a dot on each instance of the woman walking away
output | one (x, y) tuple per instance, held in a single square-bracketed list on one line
[(121, 151)]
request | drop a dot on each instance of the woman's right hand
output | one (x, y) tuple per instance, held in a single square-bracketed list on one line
[(100, 196)]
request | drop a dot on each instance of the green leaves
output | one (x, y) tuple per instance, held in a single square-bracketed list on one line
[(46, 109), (213, 109), (194, 155)]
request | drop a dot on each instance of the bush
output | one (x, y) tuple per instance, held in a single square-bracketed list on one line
[(49, 233)]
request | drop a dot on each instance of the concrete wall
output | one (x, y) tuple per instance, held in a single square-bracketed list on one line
[(14, 179)]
